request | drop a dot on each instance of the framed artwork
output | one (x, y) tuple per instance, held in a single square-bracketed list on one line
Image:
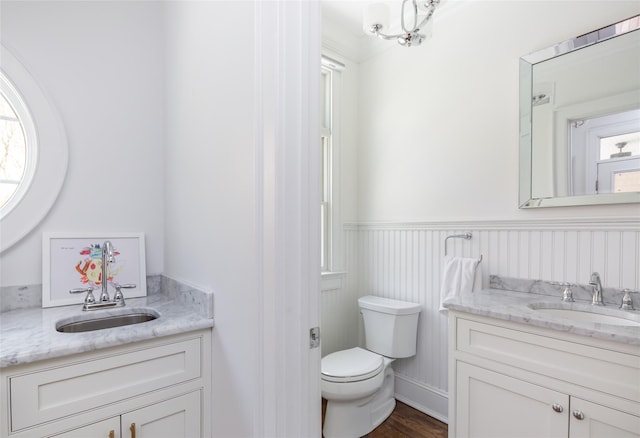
[(71, 261)]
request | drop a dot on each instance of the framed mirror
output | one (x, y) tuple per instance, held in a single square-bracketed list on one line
[(580, 120)]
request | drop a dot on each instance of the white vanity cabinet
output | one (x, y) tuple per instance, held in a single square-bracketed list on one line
[(179, 417), (514, 380), (162, 386), (107, 428)]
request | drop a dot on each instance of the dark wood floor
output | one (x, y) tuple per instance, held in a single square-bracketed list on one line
[(407, 422)]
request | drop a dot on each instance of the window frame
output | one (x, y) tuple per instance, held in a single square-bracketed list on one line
[(331, 219), (25, 120), (52, 159)]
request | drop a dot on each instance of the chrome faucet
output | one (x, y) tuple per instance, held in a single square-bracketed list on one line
[(107, 257), (104, 301), (597, 290)]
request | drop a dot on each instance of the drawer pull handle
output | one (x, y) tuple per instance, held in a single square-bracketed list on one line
[(132, 428), (578, 414), (112, 433), (557, 407)]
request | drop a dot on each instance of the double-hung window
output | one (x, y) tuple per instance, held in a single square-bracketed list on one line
[(325, 172), (330, 138)]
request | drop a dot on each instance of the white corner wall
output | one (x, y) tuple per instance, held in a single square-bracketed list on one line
[(101, 65), (210, 189)]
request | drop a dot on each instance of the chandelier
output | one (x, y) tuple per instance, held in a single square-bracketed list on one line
[(377, 19)]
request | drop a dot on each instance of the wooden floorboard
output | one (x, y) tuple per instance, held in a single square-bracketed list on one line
[(408, 422)]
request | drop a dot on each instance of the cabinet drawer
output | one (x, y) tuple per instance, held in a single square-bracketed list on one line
[(591, 367), (80, 386)]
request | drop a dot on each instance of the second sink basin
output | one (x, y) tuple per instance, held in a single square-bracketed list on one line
[(588, 313), (99, 322)]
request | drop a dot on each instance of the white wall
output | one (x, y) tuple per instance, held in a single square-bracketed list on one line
[(439, 123), (101, 63), (210, 197)]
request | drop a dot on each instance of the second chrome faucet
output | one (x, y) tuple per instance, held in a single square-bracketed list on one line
[(597, 290)]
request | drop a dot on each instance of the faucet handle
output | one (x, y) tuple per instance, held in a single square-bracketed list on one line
[(89, 299), (567, 293), (118, 296), (627, 302)]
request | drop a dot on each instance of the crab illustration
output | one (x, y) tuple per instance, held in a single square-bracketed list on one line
[(90, 268)]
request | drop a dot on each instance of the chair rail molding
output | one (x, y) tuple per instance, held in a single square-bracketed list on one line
[(598, 223)]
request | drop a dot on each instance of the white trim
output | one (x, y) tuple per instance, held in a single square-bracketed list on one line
[(287, 222), (620, 223), (419, 396), (333, 274), (331, 63), (335, 226), (331, 281)]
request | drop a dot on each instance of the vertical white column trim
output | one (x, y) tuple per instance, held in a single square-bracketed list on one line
[(287, 80), (259, 145)]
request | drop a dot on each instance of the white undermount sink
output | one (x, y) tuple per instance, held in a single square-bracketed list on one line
[(588, 313)]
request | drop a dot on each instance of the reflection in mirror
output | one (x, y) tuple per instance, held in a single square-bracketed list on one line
[(606, 154), (580, 120)]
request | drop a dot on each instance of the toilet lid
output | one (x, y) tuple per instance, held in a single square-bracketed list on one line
[(351, 365)]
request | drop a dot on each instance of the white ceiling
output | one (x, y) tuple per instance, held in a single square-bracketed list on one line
[(346, 14), (345, 19)]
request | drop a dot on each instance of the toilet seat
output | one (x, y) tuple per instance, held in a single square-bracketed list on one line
[(352, 365)]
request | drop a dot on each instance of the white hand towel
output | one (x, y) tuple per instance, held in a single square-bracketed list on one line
[(458, 276)]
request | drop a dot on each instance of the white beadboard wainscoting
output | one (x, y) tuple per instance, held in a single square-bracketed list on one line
[(404, 261)]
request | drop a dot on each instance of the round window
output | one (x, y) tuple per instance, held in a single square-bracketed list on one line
[(33, 154), (18, 147)]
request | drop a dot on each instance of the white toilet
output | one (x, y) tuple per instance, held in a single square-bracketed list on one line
[(358, 384)]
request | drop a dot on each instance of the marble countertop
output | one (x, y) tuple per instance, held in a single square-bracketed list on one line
[(515, 307), (29, 335)]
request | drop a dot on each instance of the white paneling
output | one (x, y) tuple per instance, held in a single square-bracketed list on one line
[(629, 255), (404, 261), (571, 255), (339, 326)]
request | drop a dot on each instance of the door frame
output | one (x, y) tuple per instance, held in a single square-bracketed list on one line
[(287, 163)]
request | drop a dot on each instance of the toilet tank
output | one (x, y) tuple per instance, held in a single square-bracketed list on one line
[(390, 326)]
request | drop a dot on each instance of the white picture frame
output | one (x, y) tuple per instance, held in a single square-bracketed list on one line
[(69, 262)]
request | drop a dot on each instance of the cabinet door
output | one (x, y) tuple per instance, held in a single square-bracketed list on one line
[(178, 417), (592, 420), (109, 428), (492, 405)]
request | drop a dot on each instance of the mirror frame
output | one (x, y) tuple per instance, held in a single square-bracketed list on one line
[(526, 200)]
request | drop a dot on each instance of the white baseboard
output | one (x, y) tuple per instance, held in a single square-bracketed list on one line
[(431, 401)]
